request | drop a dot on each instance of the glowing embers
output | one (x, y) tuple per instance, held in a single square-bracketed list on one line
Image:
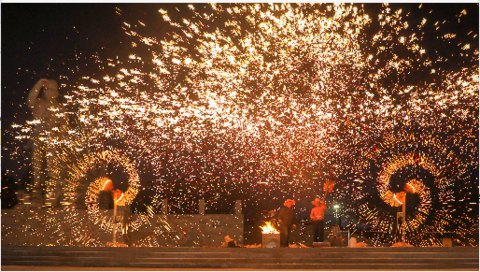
[(284, 91), (269, 229)]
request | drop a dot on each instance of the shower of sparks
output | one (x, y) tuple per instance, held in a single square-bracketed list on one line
[(256, 100)]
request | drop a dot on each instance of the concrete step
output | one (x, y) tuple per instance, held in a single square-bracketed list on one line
[(166, 259), (249, 255), (454, 258), (450, 250), (275, 266), (244, 253)]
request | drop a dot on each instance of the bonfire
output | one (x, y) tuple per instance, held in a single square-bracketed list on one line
[(269, 229)]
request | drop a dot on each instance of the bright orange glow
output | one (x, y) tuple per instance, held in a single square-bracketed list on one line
[(400, 197), (117, 196), (328, 187), (269, 229), (108, 184), (409, 188)]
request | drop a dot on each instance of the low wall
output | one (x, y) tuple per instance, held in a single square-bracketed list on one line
[(70, 227)]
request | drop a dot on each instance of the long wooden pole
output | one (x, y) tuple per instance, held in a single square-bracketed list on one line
[(404, 209), (114, 223), (324, 196)]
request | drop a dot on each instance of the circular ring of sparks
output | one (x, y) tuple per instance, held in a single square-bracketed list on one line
[(428, 152), (420, 189), (98, 185)]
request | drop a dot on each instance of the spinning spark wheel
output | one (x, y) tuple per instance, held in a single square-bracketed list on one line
[(105, 184), (419, 169)]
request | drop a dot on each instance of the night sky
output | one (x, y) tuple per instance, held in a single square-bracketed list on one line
[(42, 39), (46, 41)]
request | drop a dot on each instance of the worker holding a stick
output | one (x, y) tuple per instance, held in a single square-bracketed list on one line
[(318, 213)]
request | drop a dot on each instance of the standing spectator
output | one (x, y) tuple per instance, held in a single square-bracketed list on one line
[(286, 221), (318, 216)]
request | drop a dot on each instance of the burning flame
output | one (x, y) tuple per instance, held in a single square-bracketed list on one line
[(269, 229)]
